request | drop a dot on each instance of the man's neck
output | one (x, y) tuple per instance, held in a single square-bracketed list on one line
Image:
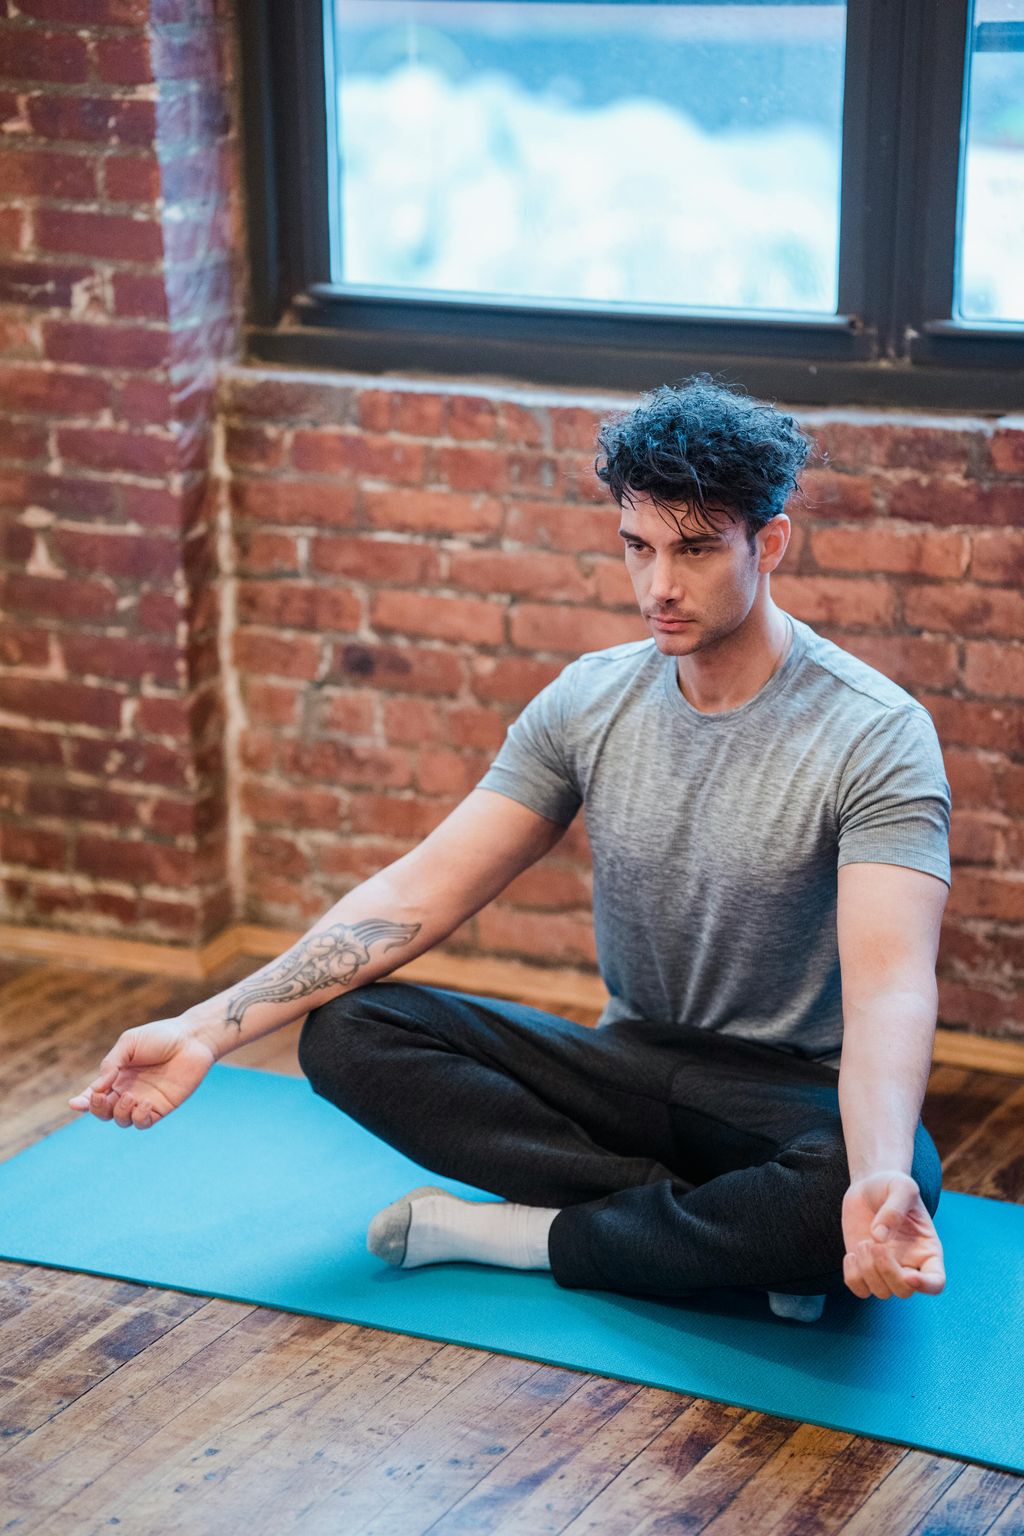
[(723, 679)]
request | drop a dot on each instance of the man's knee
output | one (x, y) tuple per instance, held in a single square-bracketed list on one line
[(323, 1032), (927, 1169)]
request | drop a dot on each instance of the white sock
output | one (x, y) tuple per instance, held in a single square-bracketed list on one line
[(441, 1227)]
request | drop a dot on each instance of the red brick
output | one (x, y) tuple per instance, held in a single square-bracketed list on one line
[(381, 561), (275, 656), (45, 173), (115, 12), (441, 772), (83, 802), (549, 525), (157, 613), (983, 951), (998, 555), (357, 453), (132, 178), (397, 815), (946, 502), (61, 57), (32, 847), (140, 294), (42, 285), (363, 858), (123, 60), (614, 588), (120, 656), (547, 936), (893, 444), (266, 554), (979, 1009), (298, 605), (70, 703), (13, 229), (470, 725), (471, 469), (472, 416), (23, 440), (520, 573), (318, 810), (917, 551), (578, 482), (988, 894), (33, 389), (106, 346), (401, 669), (408, 722), (550, 885), (31, 749), (973, 839), (575, 428), (144, 762), (994, 670), (833, 600), (145, 400), (348, 714), (295, 502), (523, 426), (140, 453), (418, 414), (444, 512), (254, 447), (976, 724), (1006, 446), (130, 861), (835, 497), (965, 609), (511, 679), (913, 661), (152, 507), (149, 559), (92, 118), (259, 395), (23, 646), (92, 233), (163, 717), (461, 619), (535, 627), (342, 763)]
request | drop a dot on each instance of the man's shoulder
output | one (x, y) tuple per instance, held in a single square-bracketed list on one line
[(862, 688)]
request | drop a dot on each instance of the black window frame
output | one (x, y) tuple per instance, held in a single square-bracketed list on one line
[(892, 343)]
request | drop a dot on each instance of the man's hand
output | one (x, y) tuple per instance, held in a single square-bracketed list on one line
[(148, 1072), (907, 1257)]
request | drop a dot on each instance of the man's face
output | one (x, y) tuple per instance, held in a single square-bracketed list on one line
[(704, 579)]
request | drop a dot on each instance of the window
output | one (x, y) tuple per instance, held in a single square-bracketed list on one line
[(823, 199)]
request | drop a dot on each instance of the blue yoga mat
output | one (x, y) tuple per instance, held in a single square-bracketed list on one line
[(256, 1190)]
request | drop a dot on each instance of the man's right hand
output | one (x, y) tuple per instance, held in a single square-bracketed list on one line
[(148, 1071)]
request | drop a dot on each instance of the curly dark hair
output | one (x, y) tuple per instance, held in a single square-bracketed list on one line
[(707, 446)]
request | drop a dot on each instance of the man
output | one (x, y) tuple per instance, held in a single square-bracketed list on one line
[(769, 823)]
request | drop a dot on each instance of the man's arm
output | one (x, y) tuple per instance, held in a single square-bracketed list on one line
[(889, 919), (388, 920)]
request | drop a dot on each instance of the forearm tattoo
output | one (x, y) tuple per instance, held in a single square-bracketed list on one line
[(325, 960)]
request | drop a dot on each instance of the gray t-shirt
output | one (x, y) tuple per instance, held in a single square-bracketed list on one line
[(717, 838)]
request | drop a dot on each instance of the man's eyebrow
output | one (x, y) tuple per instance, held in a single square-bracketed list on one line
[(700, 538)]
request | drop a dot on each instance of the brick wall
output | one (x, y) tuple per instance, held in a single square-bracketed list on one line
[(119, 295), (237, 691)]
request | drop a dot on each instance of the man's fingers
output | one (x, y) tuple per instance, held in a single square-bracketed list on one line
[(852, 1276)]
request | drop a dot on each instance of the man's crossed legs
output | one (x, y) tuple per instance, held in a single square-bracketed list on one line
[(664, 1159)]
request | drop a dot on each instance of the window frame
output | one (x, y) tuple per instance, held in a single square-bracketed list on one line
[(892, 342)]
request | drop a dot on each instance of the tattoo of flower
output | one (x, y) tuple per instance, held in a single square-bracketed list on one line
[(325, 960)]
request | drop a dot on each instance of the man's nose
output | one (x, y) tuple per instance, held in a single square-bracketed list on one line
[(664, 582)]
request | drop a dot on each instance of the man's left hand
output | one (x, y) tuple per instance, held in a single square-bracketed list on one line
[(903, 1260)]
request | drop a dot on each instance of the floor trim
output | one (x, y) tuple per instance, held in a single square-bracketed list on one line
[(546, 987)]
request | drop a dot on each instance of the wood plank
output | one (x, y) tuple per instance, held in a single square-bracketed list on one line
[(969, 1504), (990, 1161)]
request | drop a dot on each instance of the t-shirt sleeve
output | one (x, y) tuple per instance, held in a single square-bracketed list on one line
[(533, 764), (894, 799)]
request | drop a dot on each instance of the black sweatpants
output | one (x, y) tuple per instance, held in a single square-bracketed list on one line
[(680, 1158)]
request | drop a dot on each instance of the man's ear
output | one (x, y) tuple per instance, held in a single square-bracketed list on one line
[(773, 539)]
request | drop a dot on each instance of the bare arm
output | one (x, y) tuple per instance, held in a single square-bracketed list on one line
[(388, 920)]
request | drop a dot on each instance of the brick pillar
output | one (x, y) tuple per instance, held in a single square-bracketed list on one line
[(118, 282)]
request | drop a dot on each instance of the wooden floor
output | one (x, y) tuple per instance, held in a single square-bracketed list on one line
[(160, 1412)]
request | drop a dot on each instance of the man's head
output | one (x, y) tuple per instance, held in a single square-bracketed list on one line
[(696, 461)]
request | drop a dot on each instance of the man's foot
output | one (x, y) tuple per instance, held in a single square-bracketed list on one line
[(431, 1226), (802, 1309)]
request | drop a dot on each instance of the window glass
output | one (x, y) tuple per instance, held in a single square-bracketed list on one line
[(990, 275), (681, 155)]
